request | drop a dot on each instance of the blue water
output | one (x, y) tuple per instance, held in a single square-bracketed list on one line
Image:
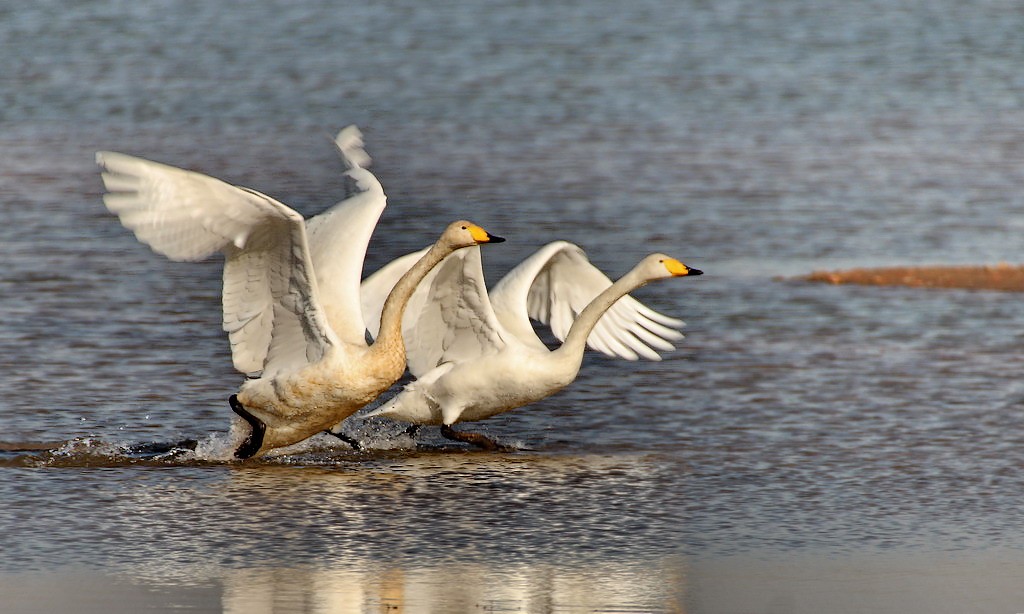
[(756, 141)]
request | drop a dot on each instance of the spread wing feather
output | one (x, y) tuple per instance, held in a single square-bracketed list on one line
[(452, 320), (339, 237), (556, 283), (270, 295)]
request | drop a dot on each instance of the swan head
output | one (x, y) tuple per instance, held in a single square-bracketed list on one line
[(463, 233), (659, 266)]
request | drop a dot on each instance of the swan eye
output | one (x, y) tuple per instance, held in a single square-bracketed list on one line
[(465, 228)]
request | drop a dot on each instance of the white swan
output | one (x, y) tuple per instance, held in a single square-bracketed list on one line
[(291, 288), (476, 355), (552, 286)]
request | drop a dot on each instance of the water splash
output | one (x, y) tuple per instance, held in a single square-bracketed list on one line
[(376, 439)]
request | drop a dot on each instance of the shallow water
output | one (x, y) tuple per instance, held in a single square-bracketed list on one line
[(855, 447)]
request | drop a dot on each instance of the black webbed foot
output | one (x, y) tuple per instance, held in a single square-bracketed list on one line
[(160, 448), (352, 441), (254, 441), (476, 439)]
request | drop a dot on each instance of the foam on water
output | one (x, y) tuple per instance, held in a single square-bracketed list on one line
[(376, 439)]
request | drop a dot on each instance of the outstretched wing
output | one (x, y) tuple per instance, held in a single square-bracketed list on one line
[(180, 214), (556, 283), (338, 239), (450, 318), (270, 298)]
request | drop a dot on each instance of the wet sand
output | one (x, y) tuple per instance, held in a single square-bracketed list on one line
[(1003, 276)]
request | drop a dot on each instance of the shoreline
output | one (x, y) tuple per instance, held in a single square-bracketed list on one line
[(1004, 277)]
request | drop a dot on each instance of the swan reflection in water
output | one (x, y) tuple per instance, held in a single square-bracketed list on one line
[(457, 588), (404, 534), (391, 530)]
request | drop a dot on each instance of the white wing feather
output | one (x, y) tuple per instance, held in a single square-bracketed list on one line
[(180, 214), (452, 320), (556, 283), (339, 237), (271, 307)]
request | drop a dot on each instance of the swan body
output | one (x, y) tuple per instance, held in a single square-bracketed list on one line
[(313, 395), (490, 385), (291, 288), (472, 364)]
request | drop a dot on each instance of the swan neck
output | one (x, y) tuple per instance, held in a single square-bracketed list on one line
[(390, 333), (576, 340)]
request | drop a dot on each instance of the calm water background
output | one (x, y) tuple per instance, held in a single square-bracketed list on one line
[(807, 447)]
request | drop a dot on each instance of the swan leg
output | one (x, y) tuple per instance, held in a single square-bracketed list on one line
[(476, 439), (352, 441), (162, 448), (254, 441)]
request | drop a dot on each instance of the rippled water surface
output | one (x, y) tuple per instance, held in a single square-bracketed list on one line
[(807, 447)]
